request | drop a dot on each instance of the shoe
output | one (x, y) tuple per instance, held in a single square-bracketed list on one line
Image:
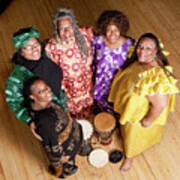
[(69, 169), (61, 176), (51, 169), (56, 171)]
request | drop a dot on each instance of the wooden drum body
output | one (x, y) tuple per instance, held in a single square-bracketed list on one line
[(104, 124)]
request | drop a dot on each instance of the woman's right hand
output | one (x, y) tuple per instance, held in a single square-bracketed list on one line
[(64, 159), (33, 127), (145, 123)]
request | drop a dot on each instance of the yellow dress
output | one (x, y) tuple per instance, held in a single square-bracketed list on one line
[(128, 93)]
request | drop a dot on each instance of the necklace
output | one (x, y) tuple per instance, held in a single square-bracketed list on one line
[(67, 42)]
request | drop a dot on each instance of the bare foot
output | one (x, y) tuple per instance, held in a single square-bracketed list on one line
[(127, 163)]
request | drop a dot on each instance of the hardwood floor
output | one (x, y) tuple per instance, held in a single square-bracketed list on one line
[(21, 155)]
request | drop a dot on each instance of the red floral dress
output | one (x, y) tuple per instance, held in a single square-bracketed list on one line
[(77, 72)]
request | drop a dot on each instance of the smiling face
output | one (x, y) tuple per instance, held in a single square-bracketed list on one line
[(40, 92), (112, 33), (146, 50), (66, 30), (32, 50)]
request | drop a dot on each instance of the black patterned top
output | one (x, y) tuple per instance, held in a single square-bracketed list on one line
[(60, 133)]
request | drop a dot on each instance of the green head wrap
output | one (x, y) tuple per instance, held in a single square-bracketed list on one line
[(22, 39)]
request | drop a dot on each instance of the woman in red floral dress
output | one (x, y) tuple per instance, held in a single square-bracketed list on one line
[(71, 50)]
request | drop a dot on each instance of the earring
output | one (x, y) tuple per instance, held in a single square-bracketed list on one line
[(154, 56)]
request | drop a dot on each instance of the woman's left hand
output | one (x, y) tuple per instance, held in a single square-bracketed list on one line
[(33, 130), (64, 159), (145, 123), (158, 103)]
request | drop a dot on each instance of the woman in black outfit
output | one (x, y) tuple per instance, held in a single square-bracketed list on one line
[(62, 136)]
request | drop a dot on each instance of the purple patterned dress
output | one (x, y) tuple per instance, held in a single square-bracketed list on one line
[(108, 61)]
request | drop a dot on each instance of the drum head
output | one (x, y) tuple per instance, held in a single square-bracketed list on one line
[(87, 128), (115, 156), (98, 158), (104, 121)]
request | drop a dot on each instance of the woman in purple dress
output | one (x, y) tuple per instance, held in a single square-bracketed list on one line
[(111, 49)]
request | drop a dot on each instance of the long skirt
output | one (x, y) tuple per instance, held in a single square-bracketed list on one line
[(137, 139)]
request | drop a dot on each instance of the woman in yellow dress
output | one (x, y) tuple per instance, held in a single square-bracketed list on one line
[(143, 93)]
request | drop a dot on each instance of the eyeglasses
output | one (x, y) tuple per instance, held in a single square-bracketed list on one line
[(31, 47)]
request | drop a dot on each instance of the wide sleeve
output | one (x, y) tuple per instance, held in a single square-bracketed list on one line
[(155, 81), (14, 93)]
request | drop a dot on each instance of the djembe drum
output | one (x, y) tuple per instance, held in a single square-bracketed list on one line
[(87, 130), (104, 124), (98, 158)]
